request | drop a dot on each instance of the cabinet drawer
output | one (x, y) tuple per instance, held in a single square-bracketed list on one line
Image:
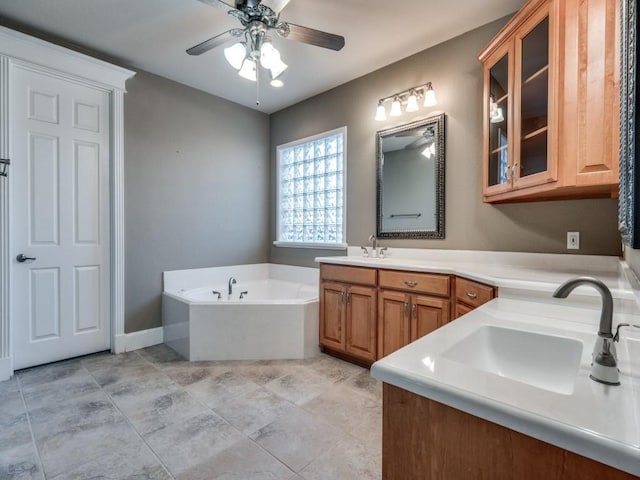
[(359, 275), (432, 284), (472, 293)]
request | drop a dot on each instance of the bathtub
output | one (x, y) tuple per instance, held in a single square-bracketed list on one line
[(272, 312)]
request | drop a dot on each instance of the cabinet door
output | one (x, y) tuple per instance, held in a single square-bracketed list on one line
[(427, 314), (361, 322), (462, 309), (393, 322), (332, 318), (534, 157), (498, 148)]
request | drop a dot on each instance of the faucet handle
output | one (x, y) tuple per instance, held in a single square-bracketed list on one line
[(616, 337), (365, 252), (381, 252)]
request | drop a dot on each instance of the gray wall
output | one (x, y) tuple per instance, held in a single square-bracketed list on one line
[(470, 224), (196, 188)]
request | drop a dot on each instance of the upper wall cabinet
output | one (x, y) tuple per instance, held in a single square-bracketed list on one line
[(551, 103)]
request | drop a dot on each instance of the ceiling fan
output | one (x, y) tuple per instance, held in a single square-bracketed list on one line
[(258, 19)]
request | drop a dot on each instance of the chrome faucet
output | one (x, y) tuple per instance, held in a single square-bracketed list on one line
[(374, 245), (604, 367), (232, 282)]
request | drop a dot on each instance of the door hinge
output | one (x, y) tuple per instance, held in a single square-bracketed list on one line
[(4, 163)]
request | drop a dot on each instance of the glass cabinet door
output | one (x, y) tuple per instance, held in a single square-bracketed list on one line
[(532, 84), (499, 101)]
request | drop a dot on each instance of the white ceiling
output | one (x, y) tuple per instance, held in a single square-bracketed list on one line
[(153, 35)]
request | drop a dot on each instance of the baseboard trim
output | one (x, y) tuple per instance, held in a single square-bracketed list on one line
[(6, 368), (127, 342)]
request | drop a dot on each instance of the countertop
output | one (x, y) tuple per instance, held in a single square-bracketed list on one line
[(598, 421)]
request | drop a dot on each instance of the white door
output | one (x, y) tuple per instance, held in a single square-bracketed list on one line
[(59, 215)]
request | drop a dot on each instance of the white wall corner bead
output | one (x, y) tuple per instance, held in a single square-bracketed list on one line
[(20, 51)]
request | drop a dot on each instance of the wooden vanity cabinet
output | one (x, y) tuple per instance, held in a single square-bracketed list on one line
[(470, 295), (410, 305), (551, 103), (348, 303), (366, 313)]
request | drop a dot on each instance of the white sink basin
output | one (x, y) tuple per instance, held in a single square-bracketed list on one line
[(544, 361)]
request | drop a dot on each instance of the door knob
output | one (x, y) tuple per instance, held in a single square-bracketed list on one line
[(23, 258)]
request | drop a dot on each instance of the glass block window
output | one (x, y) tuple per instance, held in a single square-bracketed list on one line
[(311, 185)]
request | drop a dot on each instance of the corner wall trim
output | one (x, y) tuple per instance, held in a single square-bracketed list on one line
[(127, 342), (6, 368)]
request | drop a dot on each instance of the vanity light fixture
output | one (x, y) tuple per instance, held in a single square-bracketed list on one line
[(409, 97)]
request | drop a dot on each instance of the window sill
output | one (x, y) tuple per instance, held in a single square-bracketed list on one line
[(317, 246)]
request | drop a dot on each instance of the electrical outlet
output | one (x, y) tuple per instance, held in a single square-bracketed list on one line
[(573, 240)]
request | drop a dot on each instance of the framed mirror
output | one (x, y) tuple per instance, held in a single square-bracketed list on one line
[(410, 180), (629, 197)]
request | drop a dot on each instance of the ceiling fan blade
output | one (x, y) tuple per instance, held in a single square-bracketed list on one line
[(219, 4), (416, 143), (276, 5), (311, 36), (215, 41)]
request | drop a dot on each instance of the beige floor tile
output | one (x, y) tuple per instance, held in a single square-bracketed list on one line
[(243, 461), (251, 411), (349, 459), (299, 386), (184, 445), (344, 407), (297, 439), (215, 391)]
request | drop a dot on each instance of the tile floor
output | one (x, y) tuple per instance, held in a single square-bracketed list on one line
[(149, 414)]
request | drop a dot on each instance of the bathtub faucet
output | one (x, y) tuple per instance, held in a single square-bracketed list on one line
[(232, 282)]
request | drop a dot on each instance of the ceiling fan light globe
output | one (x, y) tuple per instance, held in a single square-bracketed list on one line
[(269, 55), (278, 68), (277, 83), (381, 113), (235, 55), (412, 103), (248, 70)]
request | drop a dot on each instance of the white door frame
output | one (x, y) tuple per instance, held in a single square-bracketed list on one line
[(59, 62)]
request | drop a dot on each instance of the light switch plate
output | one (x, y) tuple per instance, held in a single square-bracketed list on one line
[(573, 240)]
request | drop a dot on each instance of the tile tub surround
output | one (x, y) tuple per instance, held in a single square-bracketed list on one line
[(278, 318), (149, 414)]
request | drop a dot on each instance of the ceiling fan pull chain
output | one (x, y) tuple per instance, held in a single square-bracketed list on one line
[(257, 85)]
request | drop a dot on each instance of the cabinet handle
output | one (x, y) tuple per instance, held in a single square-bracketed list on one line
[(472, 295), (406, 309), (411, 283), (413, 310), (348, 297), (513, 170), (341, 296)]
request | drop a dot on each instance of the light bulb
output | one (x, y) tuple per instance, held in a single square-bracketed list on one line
[(430, 97), (396, 109), (269, 55), (277, 83), (235, 55), (427, 151), (248, 70), (497, 116), (277, 68), (412, 102), (381, 113)]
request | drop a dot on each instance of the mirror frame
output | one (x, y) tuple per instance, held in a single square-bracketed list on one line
[(629, 194), (438, 233)]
